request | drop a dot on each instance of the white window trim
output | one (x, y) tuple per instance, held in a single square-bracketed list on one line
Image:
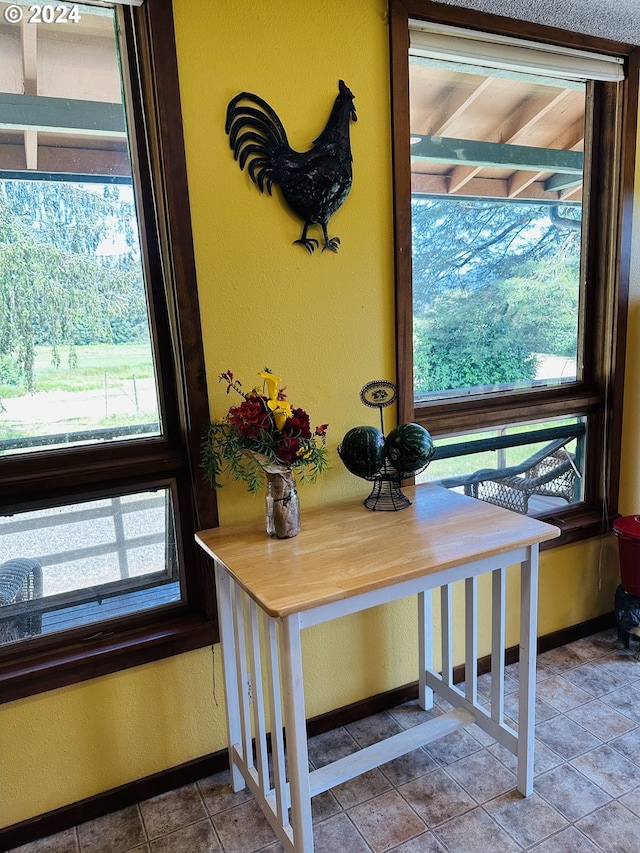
[(453, 44)]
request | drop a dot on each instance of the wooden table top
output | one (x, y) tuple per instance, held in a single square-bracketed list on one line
[(344, 549)]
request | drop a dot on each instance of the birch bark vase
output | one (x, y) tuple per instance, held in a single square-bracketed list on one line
[(282, 505)]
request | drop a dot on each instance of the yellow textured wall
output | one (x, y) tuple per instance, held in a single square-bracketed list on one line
[(325, 324)]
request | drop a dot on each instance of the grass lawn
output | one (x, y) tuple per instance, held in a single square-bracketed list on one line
[(112, 386), (118, 361)]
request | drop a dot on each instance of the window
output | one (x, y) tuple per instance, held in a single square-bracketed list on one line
[(513, 153), (103, 400)]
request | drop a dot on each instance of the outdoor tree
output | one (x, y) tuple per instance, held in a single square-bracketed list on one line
[(495, 286), (468, 339), (61, 282)]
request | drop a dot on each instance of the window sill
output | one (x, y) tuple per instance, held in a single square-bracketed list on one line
[(576, 523), (40, 671)]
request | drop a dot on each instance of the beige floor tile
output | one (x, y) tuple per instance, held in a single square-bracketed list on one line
[(480, 735), (243, 829), (594, 647), (373, 729), (570, 840), (436, 797), (338, 834), (609, 769), (453, 747), (542, 671), (613, 827), (363, 787), (386, 821), (324, 806), (199, 837), (482, 776), (561, 659), (411, 714), (632, 801), (601, 720), (168, 812), (543, 710), (407, 767), (543, 758), (629, 745), (425, 843), (566, 738), (528, 820), (622, 662), (561, 694), (571, 793), (596, 679), (112, 833), (475, 832), (626, 701), (217, 793), (330, 746)]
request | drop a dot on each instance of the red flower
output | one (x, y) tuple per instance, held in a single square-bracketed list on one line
[(297, 425), (250, 417), (322, 429), (287, 450)]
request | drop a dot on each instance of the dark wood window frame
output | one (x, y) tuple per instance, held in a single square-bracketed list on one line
[(51, 478), (599, 395)]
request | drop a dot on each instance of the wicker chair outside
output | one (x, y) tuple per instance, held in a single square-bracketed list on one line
[(550, 472), (20, 580)]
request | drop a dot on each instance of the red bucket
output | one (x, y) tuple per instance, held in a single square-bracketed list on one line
[(627, 529)]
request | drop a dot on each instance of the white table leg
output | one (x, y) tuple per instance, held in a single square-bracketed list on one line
[(425, 649), (228, 646), (471, 640), (528, 648), (296, 731), (498, 624)]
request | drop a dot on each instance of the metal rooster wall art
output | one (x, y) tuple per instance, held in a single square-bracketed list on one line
[(314, 183)]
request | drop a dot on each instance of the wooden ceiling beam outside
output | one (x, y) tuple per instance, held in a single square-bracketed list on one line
[(534, 111), (31, 149), (71, 161), (540, 120), (460, 176), (458, 103), (437, 185), (29, 44), (529, 164), (496, 155), (574, 194), (62, 115)]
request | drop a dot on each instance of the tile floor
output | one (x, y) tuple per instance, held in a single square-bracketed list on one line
[(455, 796)]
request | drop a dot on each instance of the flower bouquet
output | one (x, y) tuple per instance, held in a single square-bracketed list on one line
[(266, 439)]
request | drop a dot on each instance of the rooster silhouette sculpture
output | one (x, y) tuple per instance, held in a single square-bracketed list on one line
[(314, 183)]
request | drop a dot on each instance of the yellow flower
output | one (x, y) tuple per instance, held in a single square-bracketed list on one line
[(281, 411), (272, 382)]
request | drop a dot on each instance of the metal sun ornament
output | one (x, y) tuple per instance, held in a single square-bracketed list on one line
[(385, 461)]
